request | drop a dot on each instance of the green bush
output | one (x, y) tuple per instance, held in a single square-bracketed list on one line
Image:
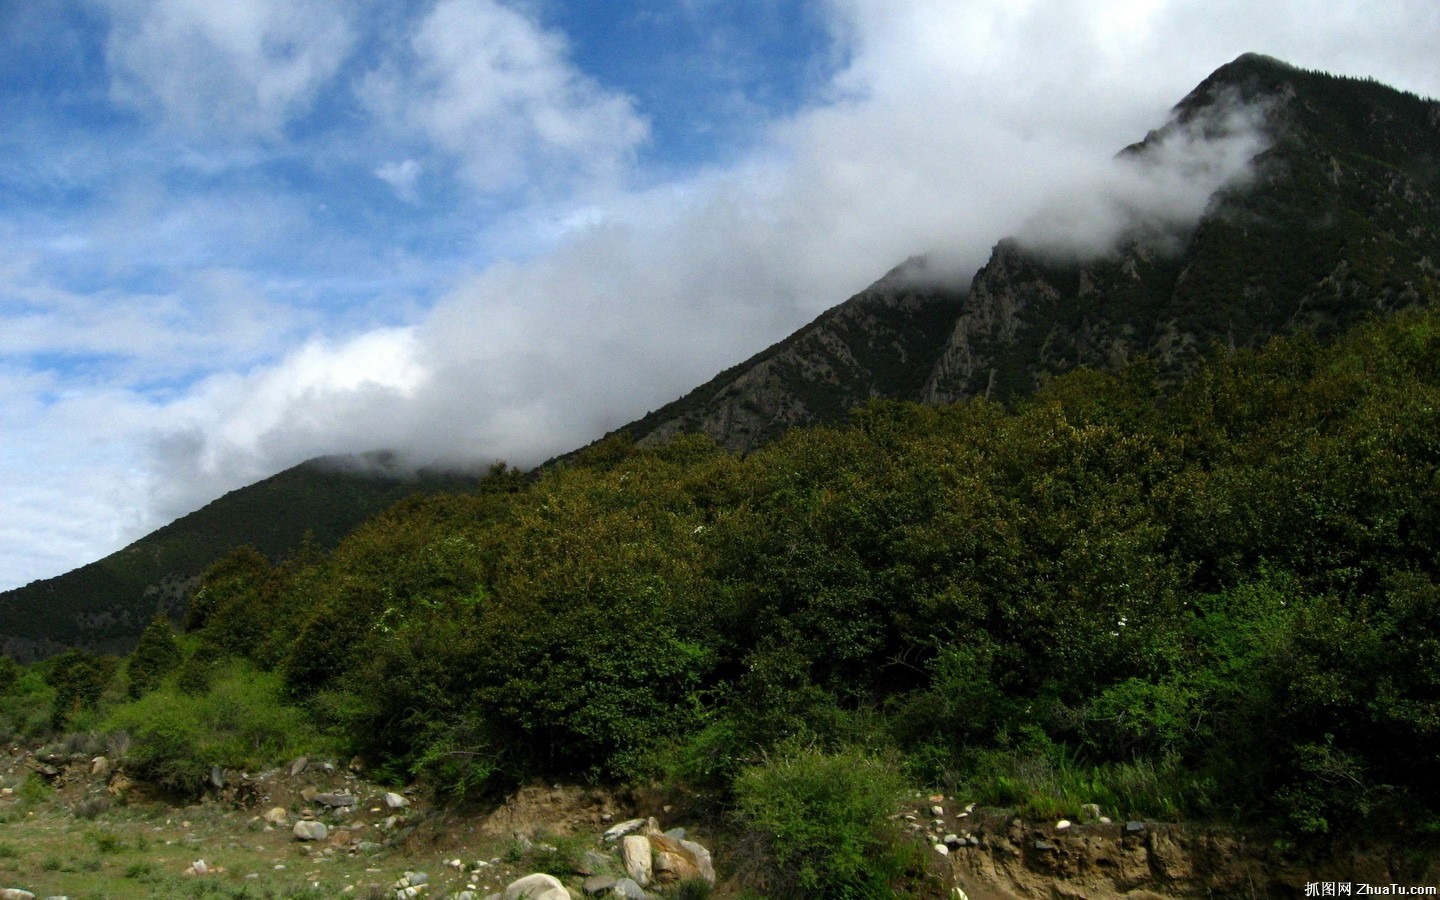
[(25, 709), (79, 678), (821, 821), (242, 723)]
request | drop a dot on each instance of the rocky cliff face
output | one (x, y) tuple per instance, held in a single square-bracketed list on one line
[(880, 343), (1339, 219)]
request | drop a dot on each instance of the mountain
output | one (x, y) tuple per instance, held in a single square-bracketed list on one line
[(106, 604), (1340, 220), (881, 343)]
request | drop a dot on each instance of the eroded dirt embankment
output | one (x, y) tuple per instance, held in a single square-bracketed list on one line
[(1149, 861)]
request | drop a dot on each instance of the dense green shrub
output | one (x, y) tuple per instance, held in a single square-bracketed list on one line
[(79, 678), (241, 722), (822, 822)]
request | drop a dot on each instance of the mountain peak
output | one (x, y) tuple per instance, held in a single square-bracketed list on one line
[(1340, 219)]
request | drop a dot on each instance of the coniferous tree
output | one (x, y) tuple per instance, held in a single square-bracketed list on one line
[(157, 655)]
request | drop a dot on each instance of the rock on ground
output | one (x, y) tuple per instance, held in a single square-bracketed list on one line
[(536, 887), (309, 830), (636, 851)]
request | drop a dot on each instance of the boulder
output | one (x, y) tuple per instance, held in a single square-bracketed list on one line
[(629, 826), (628, 889), (100, 767), (670, 860), (702, 859), (635, 850), (335, 800), (598, 885), (536, 887), (299, 765), (395, 801), (310, 830), (15, 894)]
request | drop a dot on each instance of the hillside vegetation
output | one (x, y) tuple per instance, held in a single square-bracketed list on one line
[(1216, 603)]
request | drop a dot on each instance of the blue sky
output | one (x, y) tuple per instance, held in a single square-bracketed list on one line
[(237, 235)]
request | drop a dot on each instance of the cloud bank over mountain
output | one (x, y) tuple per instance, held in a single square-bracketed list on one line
[(268, 231)]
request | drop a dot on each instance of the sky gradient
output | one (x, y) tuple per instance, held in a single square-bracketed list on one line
[(237, 235)]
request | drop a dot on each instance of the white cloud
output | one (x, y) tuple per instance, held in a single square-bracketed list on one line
[(1151, 196), (402, 177), (498, 94), (207, 66)]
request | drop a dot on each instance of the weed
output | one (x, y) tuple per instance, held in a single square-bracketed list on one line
[(105, 842), (33, 790), (515, 852), (556, 854), (91, 807), (693, 889)]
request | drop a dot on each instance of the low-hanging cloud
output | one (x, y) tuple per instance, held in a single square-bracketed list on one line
[(631, 308), (1152, 193)]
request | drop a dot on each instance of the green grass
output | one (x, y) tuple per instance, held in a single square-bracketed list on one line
[(1054, 784)]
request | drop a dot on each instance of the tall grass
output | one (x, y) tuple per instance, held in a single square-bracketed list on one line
[(1056, 783)]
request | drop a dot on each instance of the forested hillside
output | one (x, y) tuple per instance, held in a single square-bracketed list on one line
[(1105, 580)]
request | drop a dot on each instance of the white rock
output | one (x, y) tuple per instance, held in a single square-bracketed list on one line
[(636, 851), (1062, 825), (942, 849), (536, 887), (629, 826), (396, 801), (937, 810), (702, 859), (310, 830)]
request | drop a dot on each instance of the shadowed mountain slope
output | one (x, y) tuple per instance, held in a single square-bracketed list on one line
[(106, 604)]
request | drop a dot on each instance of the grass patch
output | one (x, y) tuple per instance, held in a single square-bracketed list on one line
[(1053, 784)]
